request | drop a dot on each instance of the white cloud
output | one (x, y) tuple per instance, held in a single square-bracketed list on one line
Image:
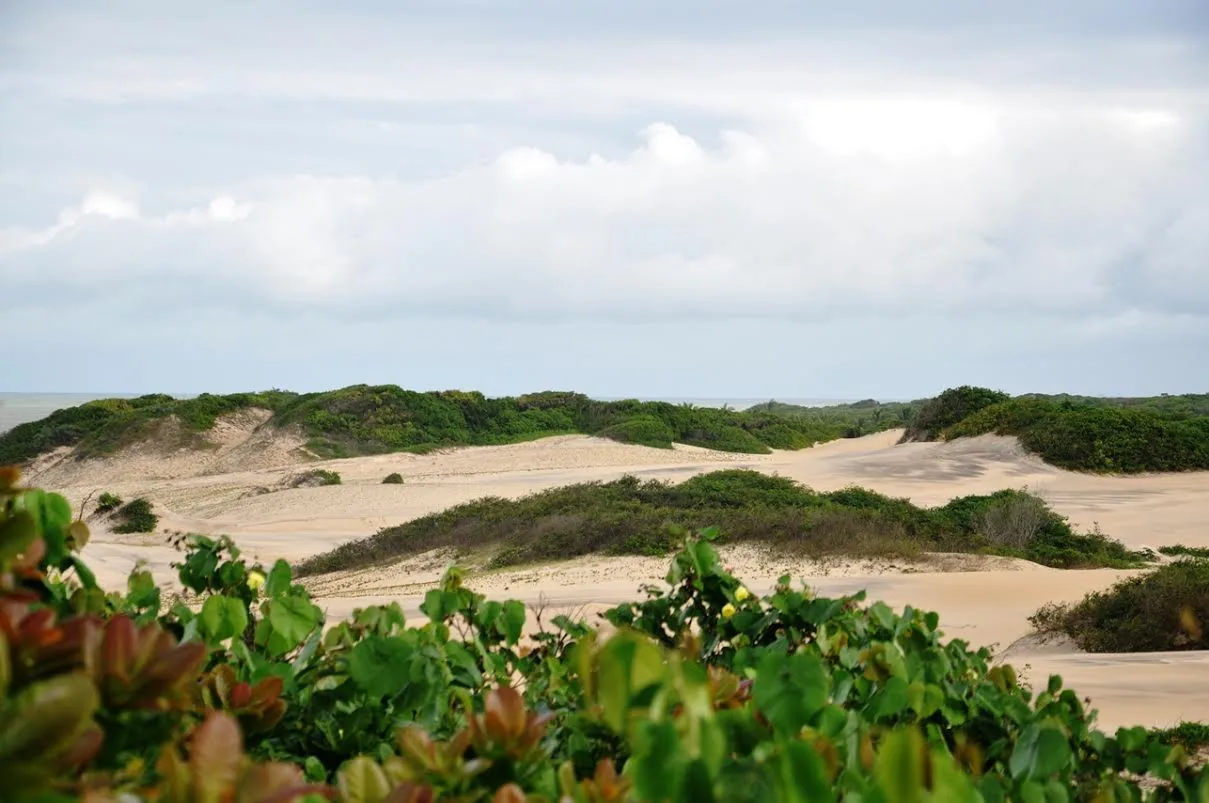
[(845, 207)]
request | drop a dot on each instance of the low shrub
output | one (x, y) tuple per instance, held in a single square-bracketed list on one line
[(394, 478), (1179, 550), (315, 478), (1166, 609), (108, 502), (136, 516), (629, 516)]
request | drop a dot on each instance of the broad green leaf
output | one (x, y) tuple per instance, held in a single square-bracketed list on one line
[(17, 532), (378, 665), (279, 579), (790, 689), (899, 767), (1040, 751), (802, 775), (514, 620), (221, 618), (362, 781), (293, 618)]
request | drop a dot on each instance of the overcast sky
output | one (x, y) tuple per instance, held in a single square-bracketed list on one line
[(634, 197)]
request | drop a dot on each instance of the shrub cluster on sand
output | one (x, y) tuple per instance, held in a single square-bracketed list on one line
[(629, 516), (136, 516), (1124, 435), (315, 478), (1166, 609), (394, 478)]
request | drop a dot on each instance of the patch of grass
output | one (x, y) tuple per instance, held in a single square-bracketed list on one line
[(394, 478), (136, 516), (1166, 609), (852, 420), (629, 516)]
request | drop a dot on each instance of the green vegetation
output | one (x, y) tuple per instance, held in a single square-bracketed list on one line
[(628, 516), (1162, 610), (948, 409), (1096, 437), (645, 430), (852, 420), (1192, 736), (366, 419), (136, 516), (1185, 551), (108, 502), (394, 478), (703, 692), (1125, 435), (315, 478)]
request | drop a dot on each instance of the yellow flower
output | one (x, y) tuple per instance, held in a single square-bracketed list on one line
[(255, 580), (742, 595), (728, 611)]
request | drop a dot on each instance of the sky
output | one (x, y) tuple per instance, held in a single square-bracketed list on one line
[(707, 199)]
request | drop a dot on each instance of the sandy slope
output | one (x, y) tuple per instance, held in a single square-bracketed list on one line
[(237, 487)]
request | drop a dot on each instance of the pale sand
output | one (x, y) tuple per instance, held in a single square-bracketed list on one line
[(237, 488)]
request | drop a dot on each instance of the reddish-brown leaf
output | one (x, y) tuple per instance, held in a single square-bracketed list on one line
[(215, 757)]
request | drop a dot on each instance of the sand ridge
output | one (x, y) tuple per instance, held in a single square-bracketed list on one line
[(238, 488)]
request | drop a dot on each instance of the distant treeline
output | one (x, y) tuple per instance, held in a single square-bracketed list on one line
[(365, 419), (1125, 435)]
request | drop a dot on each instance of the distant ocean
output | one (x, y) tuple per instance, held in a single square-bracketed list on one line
[(18, 408)]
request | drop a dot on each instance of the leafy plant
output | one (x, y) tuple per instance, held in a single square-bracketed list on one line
[(108, 502), (394, 478)]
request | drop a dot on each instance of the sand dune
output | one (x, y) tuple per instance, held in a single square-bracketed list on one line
[(238, 487)]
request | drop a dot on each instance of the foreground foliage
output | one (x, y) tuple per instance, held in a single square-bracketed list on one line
[(1158, 611), (704, 691), (629, 516)]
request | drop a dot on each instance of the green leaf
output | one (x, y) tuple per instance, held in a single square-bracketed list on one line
[(801, 775), (1040, 751), (292, 619), (790, 689), (378, 665), (892, 699), (279, 579), (17, 532), (899, 767), (514, 620), (362, 781), (221, 618), (628, 664)]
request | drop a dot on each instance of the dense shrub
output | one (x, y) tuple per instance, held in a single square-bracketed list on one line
[(950, 407), (1166, 609), (394, 478), (1094, 437), (629, 516), (646, 430), (702, 692), (136, 516)]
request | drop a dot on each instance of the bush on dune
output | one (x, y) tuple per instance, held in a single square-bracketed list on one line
[(645, 430), (949, 408), (629, 516), (1094, 437), (1166, 609)]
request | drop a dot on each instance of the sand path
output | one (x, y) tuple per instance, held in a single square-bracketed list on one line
[(987, 606)]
